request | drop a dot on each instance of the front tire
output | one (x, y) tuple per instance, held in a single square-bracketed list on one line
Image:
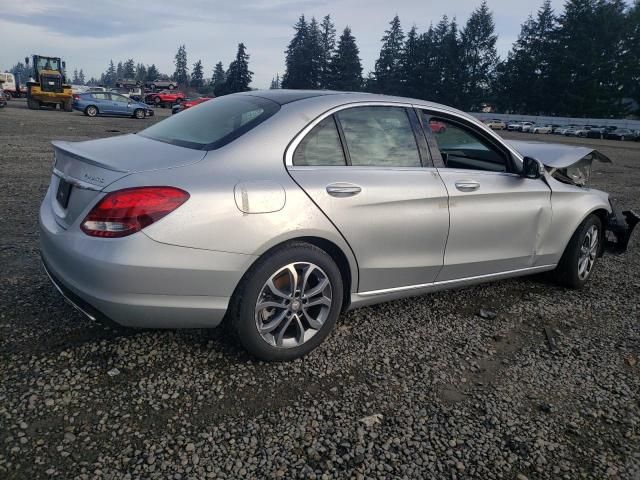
[(139, 113), (287, 303), (579, 258)]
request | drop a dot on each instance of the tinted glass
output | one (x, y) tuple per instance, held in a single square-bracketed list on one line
[(462, 148), (379, 136), (321, 146), (213, 124)]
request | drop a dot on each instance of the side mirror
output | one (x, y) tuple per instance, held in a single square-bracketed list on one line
[(532, 168)]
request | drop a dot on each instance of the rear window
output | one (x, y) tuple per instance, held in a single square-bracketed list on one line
[(213, 124)]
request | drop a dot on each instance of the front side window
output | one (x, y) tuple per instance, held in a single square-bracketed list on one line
[(460, 147), (119, 98), (379, 136), (213, 124), (321, 146)]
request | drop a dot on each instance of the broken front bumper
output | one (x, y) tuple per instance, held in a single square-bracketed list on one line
[(620, 225)]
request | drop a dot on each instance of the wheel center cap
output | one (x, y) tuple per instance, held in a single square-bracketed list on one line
[(295, 305)]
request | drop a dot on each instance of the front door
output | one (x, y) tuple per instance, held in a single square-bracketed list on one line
[(498, 218), (363, 168)]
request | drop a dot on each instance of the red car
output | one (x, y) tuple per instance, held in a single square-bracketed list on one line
[(164, 97), (188, 104), (437, 127)]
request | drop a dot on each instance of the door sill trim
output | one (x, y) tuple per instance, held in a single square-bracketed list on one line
[(477, 278)]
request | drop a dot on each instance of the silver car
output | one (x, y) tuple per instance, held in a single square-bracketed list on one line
[(276, 211)]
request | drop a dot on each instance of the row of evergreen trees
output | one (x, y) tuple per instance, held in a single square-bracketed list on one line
[(584, 62)]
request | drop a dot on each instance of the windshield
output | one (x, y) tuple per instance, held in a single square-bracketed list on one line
[(45, 63), (213, 124)]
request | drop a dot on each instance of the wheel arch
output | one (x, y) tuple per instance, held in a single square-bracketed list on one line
[(337, 254)]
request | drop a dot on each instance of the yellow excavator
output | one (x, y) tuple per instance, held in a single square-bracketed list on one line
[(48, 85)]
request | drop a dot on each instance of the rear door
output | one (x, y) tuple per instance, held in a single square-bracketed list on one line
[(498, 218), (368, 169), (103, 102)]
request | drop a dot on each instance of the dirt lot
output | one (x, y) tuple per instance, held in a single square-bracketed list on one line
[(418, 388)]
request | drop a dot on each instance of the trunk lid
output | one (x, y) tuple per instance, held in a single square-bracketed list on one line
[(87, 168)]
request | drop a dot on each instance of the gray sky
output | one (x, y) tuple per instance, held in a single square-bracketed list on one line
[(87, 34)]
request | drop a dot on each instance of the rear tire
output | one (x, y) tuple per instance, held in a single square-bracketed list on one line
[(288, 328), (157, 101), (33, 104), (580, 257), (68, 106), (91, 111), (171, 86)]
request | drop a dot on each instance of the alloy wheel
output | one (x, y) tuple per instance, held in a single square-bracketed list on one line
[(293, 305), (588, 252)]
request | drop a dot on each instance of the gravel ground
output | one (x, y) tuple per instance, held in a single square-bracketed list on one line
[(417, 388)]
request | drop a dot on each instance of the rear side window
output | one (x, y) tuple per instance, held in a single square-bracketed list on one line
[(100, 96), (213, 124), (321, 146), (379, 136)]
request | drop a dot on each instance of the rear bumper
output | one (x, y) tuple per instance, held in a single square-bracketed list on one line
[(136, 281)]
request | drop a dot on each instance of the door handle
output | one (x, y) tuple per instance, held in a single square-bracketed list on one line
[(343, 189), (467, 185)]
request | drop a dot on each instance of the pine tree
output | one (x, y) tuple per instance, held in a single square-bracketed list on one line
[(275, 82), (181, 74), (81, 78), (297, 61), (388, 69), (152, 73), (479, 57), (218, 77), (345, 66), (110, 75), (630, 71), (327, 50), (197, 74), (141, 73), (75, 80), (238, 74), (129, 69), (119, 70), (410, 66)]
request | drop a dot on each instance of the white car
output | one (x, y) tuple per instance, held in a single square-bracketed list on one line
[(542, 129), (495, 124), (527, 126), (519, 126)]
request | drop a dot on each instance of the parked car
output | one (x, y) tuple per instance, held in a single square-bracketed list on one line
[(134, 93), (518, 126), (496, 124), (583, 130), (542, 129), (557, 128), (8, 85), (437, 127), (3, 98), (105, 103), (198, 218), (563, 130), (159, 84), (620, 134), (595, 132), (188, 104), (164, 97), (527, 127), (95, 89), (128, 83)]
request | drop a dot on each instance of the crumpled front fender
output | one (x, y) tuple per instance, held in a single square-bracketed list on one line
[(620, 226)]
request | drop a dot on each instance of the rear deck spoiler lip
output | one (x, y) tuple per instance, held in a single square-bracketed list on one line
[(68, 149), (555, 155)]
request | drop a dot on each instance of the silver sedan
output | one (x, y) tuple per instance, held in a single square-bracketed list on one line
[(276, 211)]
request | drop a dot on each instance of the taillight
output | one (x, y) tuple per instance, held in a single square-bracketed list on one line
[(76, 97), (127, 211)]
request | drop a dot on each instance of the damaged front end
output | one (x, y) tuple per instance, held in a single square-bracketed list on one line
[(618, 230), (572, 165)]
